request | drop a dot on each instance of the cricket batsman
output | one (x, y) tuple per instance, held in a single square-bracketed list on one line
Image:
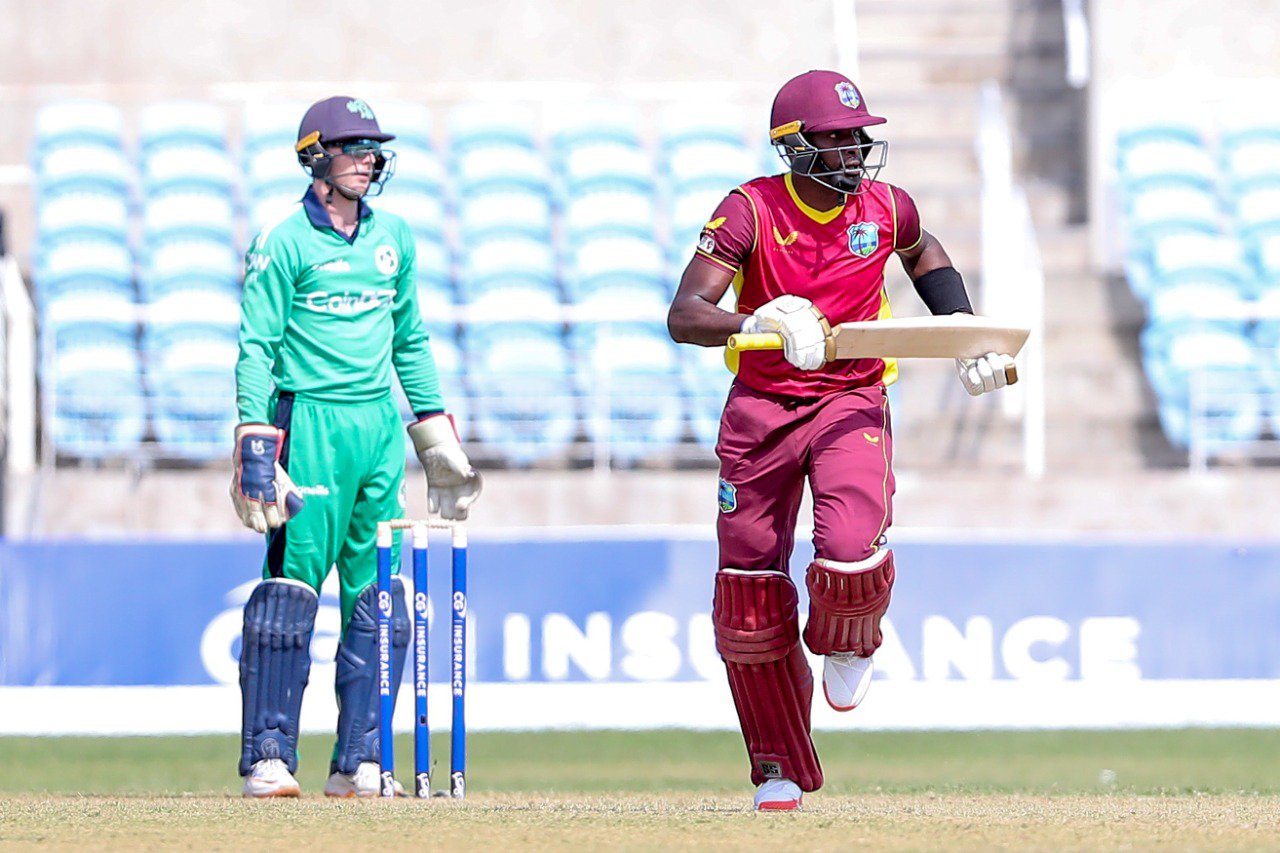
[(329, 310), (806, 250)]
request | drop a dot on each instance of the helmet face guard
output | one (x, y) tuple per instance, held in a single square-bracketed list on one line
[(318, 163), (804, 158)]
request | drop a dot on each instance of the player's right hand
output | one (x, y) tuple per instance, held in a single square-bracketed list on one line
[(261, 490), (806, 335)]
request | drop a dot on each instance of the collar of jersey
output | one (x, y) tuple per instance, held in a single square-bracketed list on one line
[(822, 217), (320, 217)]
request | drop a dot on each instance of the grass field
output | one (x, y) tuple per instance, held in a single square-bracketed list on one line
[(1198, 789)]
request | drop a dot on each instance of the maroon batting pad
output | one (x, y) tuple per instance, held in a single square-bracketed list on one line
[(758, 635), (845, 607)]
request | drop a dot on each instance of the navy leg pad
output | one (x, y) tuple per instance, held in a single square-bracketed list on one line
[(275, 662), (357, 676)]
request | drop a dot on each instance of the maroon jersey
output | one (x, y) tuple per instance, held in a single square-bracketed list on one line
[(777, 244)]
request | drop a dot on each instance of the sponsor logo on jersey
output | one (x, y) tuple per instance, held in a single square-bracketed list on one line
[(864, 238), (256, 262), (728, 496), (707, 242), (386, 259), (848, 95), (360, 108), (715, 223), (871, 439), (348, 303), (787, 240), (333, 266), (321, 491)]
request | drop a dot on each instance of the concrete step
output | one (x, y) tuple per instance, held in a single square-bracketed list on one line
[(954, 68)]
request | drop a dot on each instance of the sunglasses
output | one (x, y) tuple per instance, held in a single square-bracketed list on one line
[(360, 147)]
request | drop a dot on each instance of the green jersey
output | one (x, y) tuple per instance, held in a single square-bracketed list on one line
[(328, 317)]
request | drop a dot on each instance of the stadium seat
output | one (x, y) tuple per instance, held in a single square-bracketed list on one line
[(437, 302), (409, 121), (631, 370), (481, 125), (590, 161), (506, 257), (86, 166), (272, 170), (182, 123), (417, 169), (687, 122), (271, 207), (1157, 208), (529, 301), (504, 210), (501, 165), (95, 402), (189, 215), (193, 396), (524, 402), (1201, 304), (77, 122), (187, 167), (85, 214), (1198, 257), (184, 315), (88, 318), (422, 212), (726, 164), (1163, 152), (78, 264), (706, 387), (1252, 153), (186, 264), (596, 261), (267, 125), (689, 210), (594, 121), (1210, 388), (608, 206), (1257, 206)]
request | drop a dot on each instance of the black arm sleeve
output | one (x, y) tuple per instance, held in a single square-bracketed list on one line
[(942, 291)]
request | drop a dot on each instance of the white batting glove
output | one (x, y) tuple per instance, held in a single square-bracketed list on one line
[(980, 375), (806, 335), (452, 484)]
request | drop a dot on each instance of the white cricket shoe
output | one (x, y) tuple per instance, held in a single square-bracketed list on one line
[(270, 777), (845, 679), (778, 795), (365, 782)]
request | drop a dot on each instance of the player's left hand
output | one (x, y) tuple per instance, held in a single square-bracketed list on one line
[(806, 335), (452, 484), (991, 371)]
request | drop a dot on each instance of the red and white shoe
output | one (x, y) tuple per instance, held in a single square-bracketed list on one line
[(270, 778), (778, 795), (845, 679)]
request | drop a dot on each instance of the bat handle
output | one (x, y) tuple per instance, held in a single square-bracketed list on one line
[(743, 342)]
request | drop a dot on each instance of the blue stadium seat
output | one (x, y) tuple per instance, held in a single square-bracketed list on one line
[(422, 212), (594, 121), (726, 164), (76, 122), (635, 300), (503, 257), (480, 125), (88, 318), (1161, 152), (609, 206), (1163, 207), (1252, 153), (417, 169), (706, 386), (271, 207), (434, 261), (195, 314), (502, 165), (504, 210), (189, 215), (83, 167), (1257, 206), (606, 258), (82, 264), (182, 123), (1214, 371), (1264, 250), (689, 210), (523, 300), (96, 408), (272, 170), (193, 396), (73, 214), (698, 121), (1200, 304), (1181, 258), (267, 125), (186, 264), (633, 368), (187, 166), (524, 400), (437, 302), (595, 160), (409, 121)]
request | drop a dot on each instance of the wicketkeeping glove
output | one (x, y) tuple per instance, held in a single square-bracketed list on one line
[(452, 484), (264, 495)]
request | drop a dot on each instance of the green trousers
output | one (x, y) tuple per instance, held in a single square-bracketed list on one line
[(348, 461)]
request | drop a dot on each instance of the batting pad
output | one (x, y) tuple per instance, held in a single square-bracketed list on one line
[(357, 675), (758, 636), (846, 603), (275, 662)]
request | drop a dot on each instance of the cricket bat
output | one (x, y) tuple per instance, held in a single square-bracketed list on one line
[(949, 336)]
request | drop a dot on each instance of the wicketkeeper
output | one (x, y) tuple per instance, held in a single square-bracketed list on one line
[(329, 310), (806, 250)]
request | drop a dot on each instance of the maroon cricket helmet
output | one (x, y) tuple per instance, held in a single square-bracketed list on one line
[(819, 101)]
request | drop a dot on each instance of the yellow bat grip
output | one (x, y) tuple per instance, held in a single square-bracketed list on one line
[(743, 342)]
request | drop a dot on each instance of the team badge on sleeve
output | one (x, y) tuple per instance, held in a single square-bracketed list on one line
[(864, 238), (728, 496)]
